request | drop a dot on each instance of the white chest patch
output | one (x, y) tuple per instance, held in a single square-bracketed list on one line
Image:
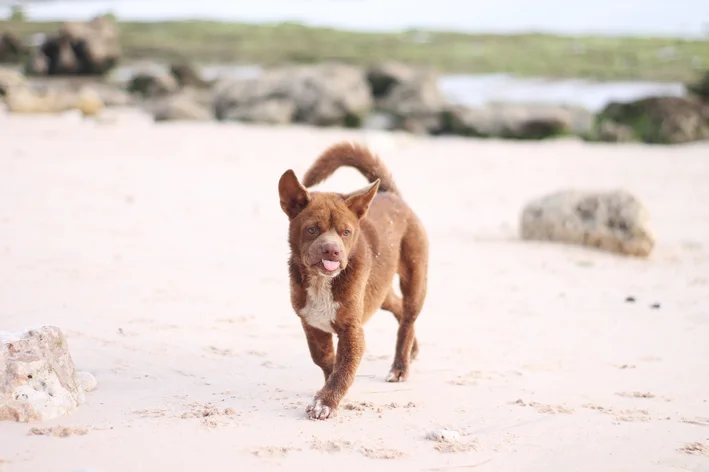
[(320, 308)]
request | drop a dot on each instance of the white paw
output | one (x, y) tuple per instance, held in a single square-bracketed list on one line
[(396, 375), (318, 411)]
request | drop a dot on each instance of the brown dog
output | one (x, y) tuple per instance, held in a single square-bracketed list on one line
[(345, 250)]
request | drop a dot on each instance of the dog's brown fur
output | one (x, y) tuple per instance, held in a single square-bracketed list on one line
[(369, 236)]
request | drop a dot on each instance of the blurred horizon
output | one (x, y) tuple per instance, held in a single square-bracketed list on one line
[(681, 18)]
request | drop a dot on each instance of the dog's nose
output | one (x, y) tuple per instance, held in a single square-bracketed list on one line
[(331, 251)]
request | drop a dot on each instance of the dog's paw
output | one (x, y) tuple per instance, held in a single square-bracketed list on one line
[(397, 375), (319, 411)]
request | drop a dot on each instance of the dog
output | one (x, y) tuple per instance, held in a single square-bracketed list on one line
[(344, 252)]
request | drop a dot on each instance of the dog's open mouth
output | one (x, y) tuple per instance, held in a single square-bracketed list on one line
[(330, 266)]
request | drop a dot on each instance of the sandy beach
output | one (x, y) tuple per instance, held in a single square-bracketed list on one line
[(160, 250)]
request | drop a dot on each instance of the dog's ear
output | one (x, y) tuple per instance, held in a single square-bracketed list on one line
[(358, 202), (294, 197)]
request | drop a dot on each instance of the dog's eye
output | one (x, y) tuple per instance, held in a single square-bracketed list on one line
[(312, 230), (346, 233)]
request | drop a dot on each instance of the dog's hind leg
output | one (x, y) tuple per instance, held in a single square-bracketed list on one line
[(394, 304), (413, 274)]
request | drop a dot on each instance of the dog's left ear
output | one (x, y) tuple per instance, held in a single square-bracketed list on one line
[(358, 202), (294, 197)]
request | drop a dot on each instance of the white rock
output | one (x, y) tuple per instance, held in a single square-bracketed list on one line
[(86, 381), (38, 380), (448, 435), (612, 221)]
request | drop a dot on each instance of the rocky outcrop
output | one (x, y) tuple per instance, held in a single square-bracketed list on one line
[(181, 107), (187, 76), (91, 48), (10, 79), (11, 48), (152, 85), (322, 95), (701, 87), (384, 77), (516, 121), (113, 96), (26, 100), (38, 380), (656, 120), (611, 221), (415, 103)]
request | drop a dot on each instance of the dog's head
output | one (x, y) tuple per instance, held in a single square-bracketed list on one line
[(324, 226)]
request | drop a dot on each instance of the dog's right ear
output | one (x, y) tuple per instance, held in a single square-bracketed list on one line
[(294, 197)]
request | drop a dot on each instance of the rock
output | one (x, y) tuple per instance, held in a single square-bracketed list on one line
[(443, 435), (272, 111), (186, 75), (609, 131), (88, 102), (378, 120), (203, 96), (416, 104), (126, 116), (85, 381), (181, 107), (37, 376), (321, 95), (113, 96), (10, 79), (656, 120), (701, 87), (37, 64), (91, 48), (11, 48), (516, 121), (612, 221), (152, 85), (28, 101), (384, 77)]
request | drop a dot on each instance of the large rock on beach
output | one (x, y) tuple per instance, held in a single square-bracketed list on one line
[(612, 221), (38, 380)]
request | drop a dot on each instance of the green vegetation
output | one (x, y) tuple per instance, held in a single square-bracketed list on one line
[(540, 55), (17, 13)]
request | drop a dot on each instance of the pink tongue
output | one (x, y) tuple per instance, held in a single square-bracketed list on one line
[(330, 265)]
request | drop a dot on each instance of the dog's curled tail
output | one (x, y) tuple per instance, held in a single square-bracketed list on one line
[(350, 155)]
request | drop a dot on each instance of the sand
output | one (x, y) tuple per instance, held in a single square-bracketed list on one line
[(160, 251)]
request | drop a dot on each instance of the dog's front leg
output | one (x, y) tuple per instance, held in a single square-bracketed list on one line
[(321, 349), (350, 349)]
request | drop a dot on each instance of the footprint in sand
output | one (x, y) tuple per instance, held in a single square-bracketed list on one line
[(621, 415), (699, 421), (220, 351), (472, 377), (210, 415), (381, 453), (546, 409), (151, 413), (695, 448), (633, 416), (636, 394), (331, 445), (257, 353), (272, 451), (59, 431)]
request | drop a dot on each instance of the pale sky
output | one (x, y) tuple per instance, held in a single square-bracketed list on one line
[(658, 17)]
